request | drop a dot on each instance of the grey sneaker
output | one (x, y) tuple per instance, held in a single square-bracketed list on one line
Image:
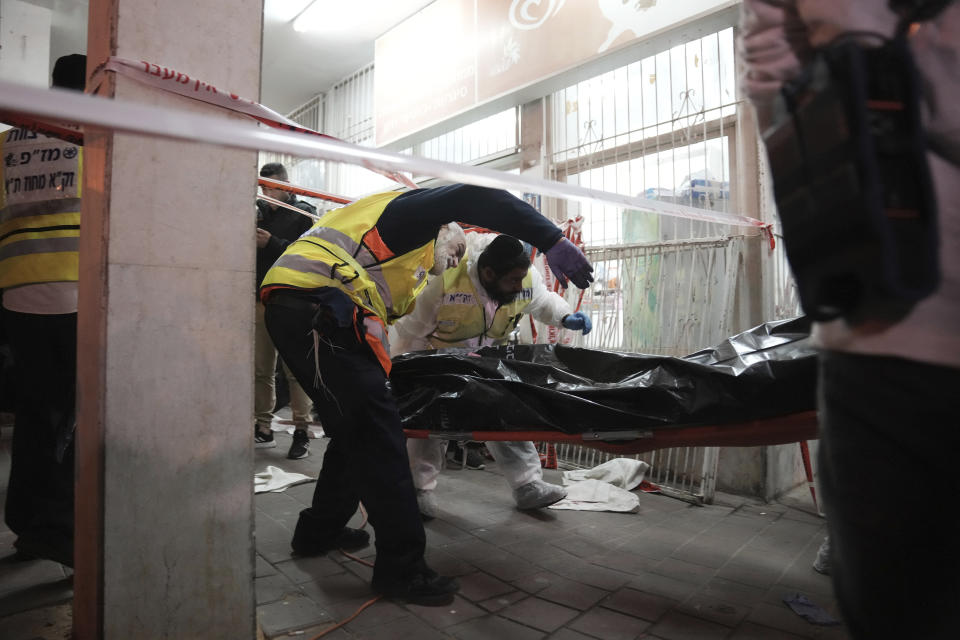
[(263, 440), (538, 494), (427, 502), (300, 447)]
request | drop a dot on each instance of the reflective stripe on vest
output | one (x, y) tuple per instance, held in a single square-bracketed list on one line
[(462, 316), (40, 188), (344, 250)]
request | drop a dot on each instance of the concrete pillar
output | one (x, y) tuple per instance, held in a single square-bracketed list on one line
[(164, 467)]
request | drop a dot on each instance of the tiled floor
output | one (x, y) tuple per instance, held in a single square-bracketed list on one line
[(672, 571)]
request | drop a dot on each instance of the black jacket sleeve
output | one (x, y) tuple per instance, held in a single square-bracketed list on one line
[(413, 218)]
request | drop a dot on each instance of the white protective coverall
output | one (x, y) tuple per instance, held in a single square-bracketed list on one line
[(519, 461)]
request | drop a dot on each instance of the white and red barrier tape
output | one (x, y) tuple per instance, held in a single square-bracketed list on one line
[(127, 117), (173, 81), (302, 191)]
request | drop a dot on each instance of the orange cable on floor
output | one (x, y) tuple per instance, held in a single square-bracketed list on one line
[(366, 604), (343, 622)]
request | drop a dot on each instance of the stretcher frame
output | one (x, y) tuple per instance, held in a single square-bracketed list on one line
[(794, 427)]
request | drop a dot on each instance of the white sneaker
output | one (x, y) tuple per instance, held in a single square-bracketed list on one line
[(538, 494), (427, 502)]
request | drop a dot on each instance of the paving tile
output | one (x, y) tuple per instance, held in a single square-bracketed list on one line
[(624, 561), (307, 569), (661, 585), (379, 614), (478, 586), (441, 533), (768, 510), (686, 571), (537, 582), (786, 535), (54, 621), (508, 533), (360, 570), (503, 601), (751, 631), (42, 595), (570, 634), (457, 612), (801, 515), (313, 631), (733, 592), (639, 604), (703, 551), (537, 552), (507, 567), (714, 609), (494, 627), (539, 614), (570, 593), (755, 567), (279, 506), (410, 627), (782, 618), (580, 547), (17, 575), (340, 588), (582, 571), (609, 625), (294, 612), (273, 588), (302, 493), (677, 626), (605, 530), (473, 550), (262, 568), (446, 564)]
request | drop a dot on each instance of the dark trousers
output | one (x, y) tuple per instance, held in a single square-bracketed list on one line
[(40, 494), (366, 457), (889, 447)]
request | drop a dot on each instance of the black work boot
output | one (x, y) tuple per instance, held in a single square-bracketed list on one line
[(349, 540), (425, 588)]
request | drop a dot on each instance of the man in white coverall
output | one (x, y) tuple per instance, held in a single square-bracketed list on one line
[(479, 303)]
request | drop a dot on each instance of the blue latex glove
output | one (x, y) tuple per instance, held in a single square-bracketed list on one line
[(578, 321), (567, 261)]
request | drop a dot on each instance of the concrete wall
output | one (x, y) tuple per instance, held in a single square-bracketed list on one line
[(165, 465)]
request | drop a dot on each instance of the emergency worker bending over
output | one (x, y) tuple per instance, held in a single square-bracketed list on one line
[(328, 299)]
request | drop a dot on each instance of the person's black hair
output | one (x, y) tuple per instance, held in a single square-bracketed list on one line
[(503, 255), (70, 72), (274, 170)]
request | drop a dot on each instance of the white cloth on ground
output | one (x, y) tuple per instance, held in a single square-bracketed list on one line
[(276, 480), (625, 473), (595, 495), (605, 487)]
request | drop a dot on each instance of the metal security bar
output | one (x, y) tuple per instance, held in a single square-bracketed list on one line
[(663, 127)]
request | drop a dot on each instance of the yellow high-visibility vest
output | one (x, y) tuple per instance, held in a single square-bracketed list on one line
[(40, 189), (462, 315), (344, 250)]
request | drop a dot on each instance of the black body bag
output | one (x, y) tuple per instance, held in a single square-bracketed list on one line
[(852, 184)]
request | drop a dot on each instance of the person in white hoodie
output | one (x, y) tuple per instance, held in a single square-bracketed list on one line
[(887, 389), (478, 304)]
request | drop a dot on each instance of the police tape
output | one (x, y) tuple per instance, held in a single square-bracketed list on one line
[(280, 203), (173, 81), (270, 183), (133, 118)]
